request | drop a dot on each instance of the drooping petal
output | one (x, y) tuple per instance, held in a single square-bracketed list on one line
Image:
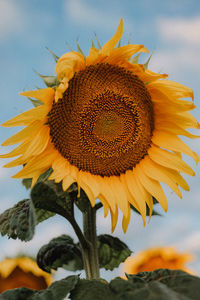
[(159, 173), (172, 142), (153, 187), (169, 160), (131, 183)]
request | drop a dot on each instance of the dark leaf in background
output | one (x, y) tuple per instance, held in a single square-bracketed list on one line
[(17, 294), (92, 290), (19, 221), (112, 251), (60, 252)]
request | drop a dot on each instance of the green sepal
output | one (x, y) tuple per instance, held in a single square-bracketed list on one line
[(135, 59), (60, 252), (79, 48), (146, 64), (98, 43), (50, 81), (55, 57), (58, 290), (111, 251), (35, 103)]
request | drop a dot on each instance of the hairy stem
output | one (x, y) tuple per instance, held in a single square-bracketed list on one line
[(91, 254)]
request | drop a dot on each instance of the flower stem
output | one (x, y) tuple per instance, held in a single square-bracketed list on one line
[(91, 260)]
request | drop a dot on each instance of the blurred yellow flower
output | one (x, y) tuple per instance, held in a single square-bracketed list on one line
[(157, 258), (22, 272), (112, 126)]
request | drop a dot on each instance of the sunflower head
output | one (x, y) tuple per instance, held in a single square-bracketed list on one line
[(22, 272), (110, 125), (157, 258)]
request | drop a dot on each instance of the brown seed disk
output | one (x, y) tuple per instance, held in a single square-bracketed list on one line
[(104, 122)]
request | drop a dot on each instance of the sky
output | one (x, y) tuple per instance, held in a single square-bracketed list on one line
[(169, 29)]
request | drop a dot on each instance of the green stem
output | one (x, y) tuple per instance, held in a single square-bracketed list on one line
[(91, 259)]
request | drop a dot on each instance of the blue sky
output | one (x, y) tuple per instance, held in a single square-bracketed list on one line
[(170, 29)]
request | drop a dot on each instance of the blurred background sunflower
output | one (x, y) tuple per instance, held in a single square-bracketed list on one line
[(157, 258), (172, 34), (20, 272)]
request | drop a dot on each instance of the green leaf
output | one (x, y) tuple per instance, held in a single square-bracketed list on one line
[(49, 196), (19, 221), (17, 294), (92, 290), (111, 251), (60, 252), (164, 284), (42, 215), (56, 291)]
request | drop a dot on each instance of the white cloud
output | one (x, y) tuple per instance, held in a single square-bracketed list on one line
[(11, 18), (180, 30), (82, 13)]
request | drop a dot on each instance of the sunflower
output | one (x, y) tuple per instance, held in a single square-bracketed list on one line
[(22, 271), (110, 125), (156, 258)]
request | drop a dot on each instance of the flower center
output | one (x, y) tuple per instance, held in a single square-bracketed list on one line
[(104, 122)]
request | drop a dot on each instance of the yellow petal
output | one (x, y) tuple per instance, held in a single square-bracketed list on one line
[(173, 128), (131, 184), (67, 181), (109, 46), (124, 53), (172, 142), (119, 193), (93, 55), (17, 151), (44, 95), (170, 88), (159, 173), (39, 143), (170, 160), (114, 218), (24, 134), (105, 204), (106, 192), (184, 119), (89, 183), (37, 113), (16, 162), (41, 161), (153, 187), (126, 220)]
